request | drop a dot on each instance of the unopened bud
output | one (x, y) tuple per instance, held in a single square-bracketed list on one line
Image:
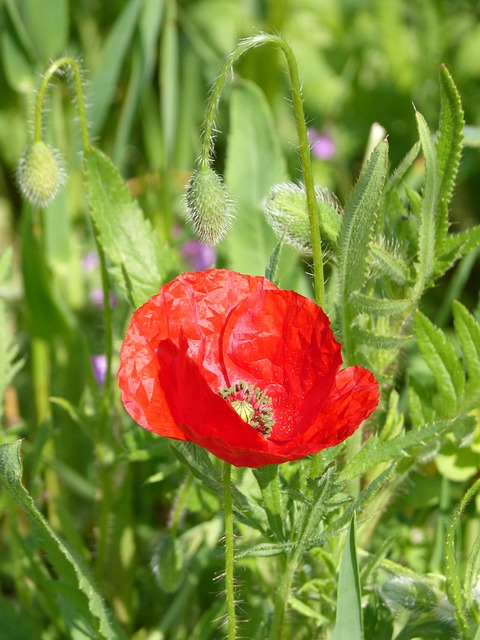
[(40, 173), (286, 212), (209, 207)]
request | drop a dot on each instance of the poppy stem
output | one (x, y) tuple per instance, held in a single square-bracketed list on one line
[(229, 552), (54, 68), (208, 138)]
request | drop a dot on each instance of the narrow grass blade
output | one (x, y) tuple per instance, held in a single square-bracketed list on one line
[(349, 620)]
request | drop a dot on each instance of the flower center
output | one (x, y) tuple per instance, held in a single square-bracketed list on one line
[(252, 405)]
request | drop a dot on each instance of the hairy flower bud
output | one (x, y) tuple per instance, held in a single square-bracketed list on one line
[(286, 212), (209, 207), (40, 173)]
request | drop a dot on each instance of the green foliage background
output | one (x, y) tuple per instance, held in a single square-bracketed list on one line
[(119, 534)]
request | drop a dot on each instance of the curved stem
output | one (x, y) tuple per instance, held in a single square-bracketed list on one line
[(54, 68), (208, 137), (229, 552)]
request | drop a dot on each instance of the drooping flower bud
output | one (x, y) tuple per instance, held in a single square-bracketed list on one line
[(40, 173), (209, 207), (286, 212)]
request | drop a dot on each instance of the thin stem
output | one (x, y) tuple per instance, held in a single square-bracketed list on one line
[(229, 552), (107, 321), (54, 68), (208, 137), (286, 571)]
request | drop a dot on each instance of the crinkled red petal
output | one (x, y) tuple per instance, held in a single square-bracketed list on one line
[(203, 416), (282, 343), (354, 398)]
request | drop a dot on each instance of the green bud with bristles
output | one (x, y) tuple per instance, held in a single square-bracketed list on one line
[(209, 207), (40, 173), (286, 212)]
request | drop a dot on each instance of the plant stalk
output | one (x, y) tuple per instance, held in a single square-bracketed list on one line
[(229, 553)]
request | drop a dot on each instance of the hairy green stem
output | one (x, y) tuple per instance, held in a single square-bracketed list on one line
[(54, 68), (229, 553), (208, 137)]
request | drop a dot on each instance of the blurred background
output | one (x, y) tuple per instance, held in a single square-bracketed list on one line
[(148, 66)]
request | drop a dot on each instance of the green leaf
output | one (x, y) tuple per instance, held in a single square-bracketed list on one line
[(380, 341), (69, 567), (452, 583), (49, 317), (456, 245), (265, 550), (468, 332), (358, 220), (443, 362), (400, 446), (254, 164), (380, 306), (268, 481), (47, 24), (390, 264), (427, 232), (137, 256), (144, 56), (349, 620), (105, 78), (448, 147), (8, 349)]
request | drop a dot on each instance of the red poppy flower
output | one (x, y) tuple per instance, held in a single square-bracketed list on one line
[(242, 368)]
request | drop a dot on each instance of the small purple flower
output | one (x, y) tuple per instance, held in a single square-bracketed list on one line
[(96, 297), (322, 145), (99, 368), (200, 256), (90, 261)]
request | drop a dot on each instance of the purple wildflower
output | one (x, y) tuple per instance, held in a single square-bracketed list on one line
[(90, 261), (99, 368), (96, 297), (199, 255), (322, 145)]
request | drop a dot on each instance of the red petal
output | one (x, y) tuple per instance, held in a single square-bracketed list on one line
[(353, 398), (203, 416), (142, 395), (282, 343)]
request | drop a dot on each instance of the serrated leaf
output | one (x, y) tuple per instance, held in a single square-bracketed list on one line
[(389, 264), (427, 232), (69, 567), (349, 618), (135, 251), (380, 306), (456, 245), (380, 341), (452, 583), (396, 177), (202, 467), (375, 452), (468, 332), (443, 362), (448, 147), (358, 219)]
